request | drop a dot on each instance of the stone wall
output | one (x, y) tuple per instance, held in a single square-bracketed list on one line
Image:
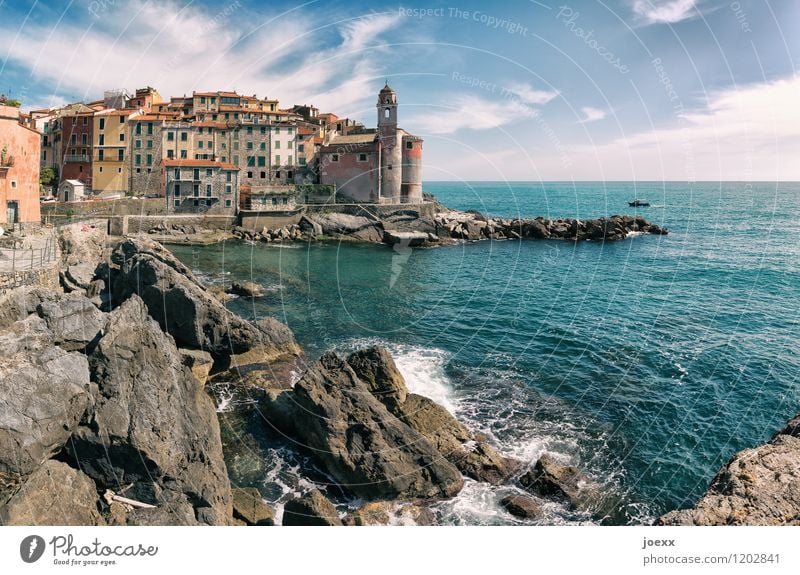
[(135, 224), (255, 220), (46, 276), (120, 207)]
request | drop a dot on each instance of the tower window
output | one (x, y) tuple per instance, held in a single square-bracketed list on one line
[(409, 145), (386, 113), (362, 157)]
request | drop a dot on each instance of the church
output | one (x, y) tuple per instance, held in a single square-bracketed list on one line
[(382, 166)]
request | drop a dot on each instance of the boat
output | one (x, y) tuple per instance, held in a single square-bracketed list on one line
[(639, 203)]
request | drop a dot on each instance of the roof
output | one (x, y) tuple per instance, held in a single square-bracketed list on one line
[(353, 139), (386, 89), (115, 112), (74, 182)]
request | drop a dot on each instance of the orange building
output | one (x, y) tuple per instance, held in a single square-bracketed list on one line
[(20, 148)]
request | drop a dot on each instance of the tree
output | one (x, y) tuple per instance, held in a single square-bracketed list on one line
[(47, 176)]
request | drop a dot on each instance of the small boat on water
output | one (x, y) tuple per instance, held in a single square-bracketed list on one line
[(639, 203)]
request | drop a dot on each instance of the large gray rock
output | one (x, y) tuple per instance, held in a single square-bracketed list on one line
[(408, 239), (249, 508), (342, 224), (759, 486), (74, 320), (469, 452), (365, 448), (185, 310), (44, 392), (311, 509), (54, 494), (152, 427), (554, 480)]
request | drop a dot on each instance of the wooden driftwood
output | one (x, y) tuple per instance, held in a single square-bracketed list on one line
[(110, 496)]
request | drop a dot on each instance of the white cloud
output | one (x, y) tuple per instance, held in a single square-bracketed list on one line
[(529, 95), (746, 133), (178, 49), (591, 114), (664, 11)]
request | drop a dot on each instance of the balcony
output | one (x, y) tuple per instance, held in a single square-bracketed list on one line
[(6, 162), (75, 158)]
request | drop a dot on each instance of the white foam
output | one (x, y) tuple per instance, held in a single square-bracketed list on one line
[(423, 370)]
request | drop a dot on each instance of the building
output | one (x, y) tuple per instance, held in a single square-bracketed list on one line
[(72, 191), (110, 149), (200, 186), (381, 166), (75, 134), (20, 152)]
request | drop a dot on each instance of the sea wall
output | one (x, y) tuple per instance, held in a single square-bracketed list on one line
[(45, 276), (132, 224)]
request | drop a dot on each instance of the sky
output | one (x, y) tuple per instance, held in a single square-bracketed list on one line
[(534, 90)]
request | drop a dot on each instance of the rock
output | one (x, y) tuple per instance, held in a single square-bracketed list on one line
[(537, 229), (180, 304), (152, 425), (246, 289), (199, 362), (407, 239), (521, 506), (83, 242), (553, 480), (472, 455), (365, 448), (277, 375), (373, 234), (473, 229), (312, 509), (44, 392), (250, 508), (759, 486), (342, 224), (54, 494), (74, 320), (389, 513)]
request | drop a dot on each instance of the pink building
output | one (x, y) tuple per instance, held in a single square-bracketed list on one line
[(20, 148)]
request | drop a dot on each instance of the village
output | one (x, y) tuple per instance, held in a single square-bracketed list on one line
[(211, 153)]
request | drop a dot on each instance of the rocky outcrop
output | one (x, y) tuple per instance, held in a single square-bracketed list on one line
[(152, 428), (312, 509), (183, 308), (246, 289), (389, 513), (369, 451), (199, 362), (551, 479), (521, 506), (44, 392), (759, 486), (75, 322), (54, 494), (469, 452), (250, 509)]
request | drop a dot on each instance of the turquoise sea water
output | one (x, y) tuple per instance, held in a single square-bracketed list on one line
[(646, 362)]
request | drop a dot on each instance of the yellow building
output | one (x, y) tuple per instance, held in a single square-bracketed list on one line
[(110, 149)]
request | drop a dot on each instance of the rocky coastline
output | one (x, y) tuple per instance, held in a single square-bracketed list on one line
[(410, 227), (109, 415)]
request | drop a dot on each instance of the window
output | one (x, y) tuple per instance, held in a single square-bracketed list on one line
[(278, 175), (138, 129), (277, 129), (177, 190), (150, 144), (249, 174), (183, 154), (200, 131), (137, 159), (177, 203), (301, 147), (137, 144), (196, 203), (213, 99), (263, 146), (208, 172), (119, 170), (262, 161), (409, 145), (278, 145), (101, 156), (386, 113), (289, 175), (120, 155), (334, 157), (228, 188), (362, 157), (196, 190), (102, 123), (208, 190), (85, 121), (224, 145), (122, 119), (170, 136), (263, 175), (289, 144), (101, 169), (274, 201), (84, 140), (236, 145), (249, 145), (285, 201), (208, 202), (302, 161), (170, 154), (227, 203), (389, 167), (14, 186), (289, 161), (249, 130), (251, 161), (289, 130), (102, 140), (200, 144), (277, 160), (122, 136), (149, 159), (263, 129), (184, 136)]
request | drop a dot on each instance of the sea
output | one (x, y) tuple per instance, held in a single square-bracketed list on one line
[(646, 363)]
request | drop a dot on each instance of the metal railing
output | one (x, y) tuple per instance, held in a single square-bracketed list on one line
[(19, 259)]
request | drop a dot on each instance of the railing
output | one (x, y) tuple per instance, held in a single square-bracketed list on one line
[(77, 158), (18, 259)]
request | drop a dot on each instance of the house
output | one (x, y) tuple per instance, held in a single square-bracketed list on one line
[(380, 166), (72, 191), (20, 153), (110, 144), (200, 186)]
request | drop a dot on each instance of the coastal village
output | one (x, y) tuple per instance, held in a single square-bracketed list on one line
[(208, 152)]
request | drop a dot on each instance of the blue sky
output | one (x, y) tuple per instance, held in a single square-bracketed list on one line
[(517, 90)]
